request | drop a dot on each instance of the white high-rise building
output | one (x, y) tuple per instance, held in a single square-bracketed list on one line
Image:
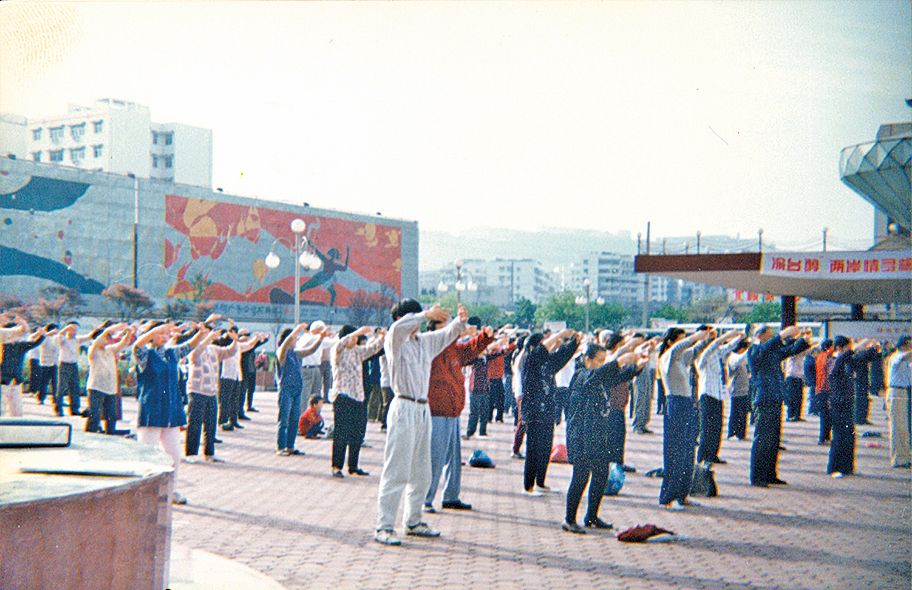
[(115, 136), (611, 277)]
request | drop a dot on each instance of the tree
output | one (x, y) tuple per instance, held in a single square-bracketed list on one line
[(767, 311), (488, 313), (670, 312), (708, 310), (131, 303), (367, 308), (57, 304), (561, 307), (177, 310), (613, 316), (524, 316)]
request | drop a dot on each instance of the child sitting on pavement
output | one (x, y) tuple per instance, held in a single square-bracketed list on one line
[(311, 423)]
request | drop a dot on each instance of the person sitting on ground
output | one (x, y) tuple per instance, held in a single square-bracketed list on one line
[(311, 423)]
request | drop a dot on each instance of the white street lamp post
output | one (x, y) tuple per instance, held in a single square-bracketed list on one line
[(297, 226)]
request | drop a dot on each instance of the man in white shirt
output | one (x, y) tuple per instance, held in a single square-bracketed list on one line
[(407, 455), (311, 372), (67, 365), (899, 382), (48, 353)]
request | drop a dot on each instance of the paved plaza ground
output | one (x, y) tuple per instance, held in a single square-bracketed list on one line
[(286, 517)]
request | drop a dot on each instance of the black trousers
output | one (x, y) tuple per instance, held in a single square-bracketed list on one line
[(737, 419), (350, 419), (68, 385), (767, 436), (862, 403), (229, 401), (47, 376), (711, 410), (478, 413), (826, 424), (101, 405), (794, 396), (582, 470), (248, 385), (842, 449), (617, 436), (660, 397), (539, 438), (201, 417), (495, 400)]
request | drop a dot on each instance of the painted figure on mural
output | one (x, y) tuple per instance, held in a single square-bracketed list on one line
[(326, 272)]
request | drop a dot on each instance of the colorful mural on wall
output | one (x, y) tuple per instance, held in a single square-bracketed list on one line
[(21, 197), (228, 243)]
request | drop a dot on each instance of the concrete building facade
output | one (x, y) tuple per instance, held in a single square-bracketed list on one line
[(62, 226), (114, 136)]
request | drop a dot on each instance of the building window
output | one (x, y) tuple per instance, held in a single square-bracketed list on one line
[(169, 138), (77, 154), (77, 131), (97, 150), (169, 161), (56, 134), (154, 138), (36, 134), (98, 126), (155, 161), (36, 156), (55, 155)]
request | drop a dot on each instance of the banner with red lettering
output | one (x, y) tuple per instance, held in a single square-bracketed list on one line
[(873, 264)]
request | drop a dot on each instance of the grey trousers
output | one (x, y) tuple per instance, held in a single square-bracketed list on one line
[(642, 386)]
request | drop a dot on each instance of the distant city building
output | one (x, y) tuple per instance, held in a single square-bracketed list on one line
[(113, 136), (502, 281), (611, 277)]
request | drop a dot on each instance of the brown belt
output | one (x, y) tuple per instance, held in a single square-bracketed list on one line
[(411, 399)]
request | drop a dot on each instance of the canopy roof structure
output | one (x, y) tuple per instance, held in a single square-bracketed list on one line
[(879, 171), (855, 278)]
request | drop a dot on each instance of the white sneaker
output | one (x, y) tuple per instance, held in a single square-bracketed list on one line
[(421, 530), (533, 493), (387, 537), (837, 475)]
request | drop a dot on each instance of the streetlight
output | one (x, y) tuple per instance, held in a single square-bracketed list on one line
[(460, 286), (302, 258), (585, 300)]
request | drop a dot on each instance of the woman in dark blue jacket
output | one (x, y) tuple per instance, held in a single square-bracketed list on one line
[(588, 430)]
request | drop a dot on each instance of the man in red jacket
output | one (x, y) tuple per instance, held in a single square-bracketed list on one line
[(446, 399)]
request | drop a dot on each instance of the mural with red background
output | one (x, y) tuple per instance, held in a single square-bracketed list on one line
[(228, 243)]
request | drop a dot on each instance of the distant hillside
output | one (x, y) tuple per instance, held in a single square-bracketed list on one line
[(553, 247), (557, 246)]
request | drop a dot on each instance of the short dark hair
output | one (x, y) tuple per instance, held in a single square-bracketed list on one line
[(404, 307), (474, 321), (840, 341), (314, 400), (346, 330), (283, 335), (826, 344), (593, 349), (903, 341), (433, 325)]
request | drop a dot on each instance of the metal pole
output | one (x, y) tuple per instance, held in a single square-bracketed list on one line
[(824, 238), (587, 308), (135, 230), (646, 295), (297, 283)]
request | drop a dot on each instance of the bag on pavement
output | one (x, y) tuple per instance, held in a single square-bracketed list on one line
[(704, 481)]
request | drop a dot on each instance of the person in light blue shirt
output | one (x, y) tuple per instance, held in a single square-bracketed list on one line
[(899, 381)]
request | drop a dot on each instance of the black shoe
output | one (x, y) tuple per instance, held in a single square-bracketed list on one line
[(456, 505), (243, 417), (628, 469), (254, 410), (572, 527), (759, 484), (719, 461), (598, 523), (338, 474), (217, 441), (294, 452), (358, 472), (236, 425), (778, 482), (227, 427)]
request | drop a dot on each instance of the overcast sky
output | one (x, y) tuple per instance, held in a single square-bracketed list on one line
[(723, 117)]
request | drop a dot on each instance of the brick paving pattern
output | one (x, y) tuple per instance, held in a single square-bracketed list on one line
[(286, 517)]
